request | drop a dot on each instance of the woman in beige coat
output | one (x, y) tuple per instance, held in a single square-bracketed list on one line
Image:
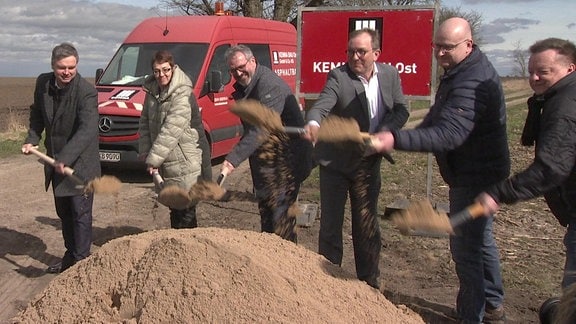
[(167, 142)]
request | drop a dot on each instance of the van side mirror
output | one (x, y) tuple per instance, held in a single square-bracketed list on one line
[(99, 73), (213, 83), (216, 84)]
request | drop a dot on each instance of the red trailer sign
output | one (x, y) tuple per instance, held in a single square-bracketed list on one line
[(406, 37)]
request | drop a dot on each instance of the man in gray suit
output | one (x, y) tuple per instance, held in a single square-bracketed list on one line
[(65, 106), (370, 93)]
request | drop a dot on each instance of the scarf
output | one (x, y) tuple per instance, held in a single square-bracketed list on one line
[(532, 124)]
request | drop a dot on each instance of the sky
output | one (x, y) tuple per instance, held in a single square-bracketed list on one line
[(506, 23), (31, 28)]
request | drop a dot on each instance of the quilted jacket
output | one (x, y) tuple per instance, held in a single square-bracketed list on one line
[(466, 126), (165, 131)]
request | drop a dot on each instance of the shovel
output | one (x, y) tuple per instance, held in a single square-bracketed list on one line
[(170, 196), (420, 219), (213, 191), (105, 184), (220, 179), (334, 129)]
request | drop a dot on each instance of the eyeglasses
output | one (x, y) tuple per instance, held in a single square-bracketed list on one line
[(164, 71), (446, 48), (360, 52), (240, 68)]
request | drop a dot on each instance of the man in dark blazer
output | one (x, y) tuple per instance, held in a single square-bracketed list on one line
[(370, 93), (66, 108)]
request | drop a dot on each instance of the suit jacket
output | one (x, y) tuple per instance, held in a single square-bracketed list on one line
[(70, 118), (344, 95)]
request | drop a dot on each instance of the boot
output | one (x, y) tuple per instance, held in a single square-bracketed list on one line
[(494, 315), (547, 311), (189, 219)]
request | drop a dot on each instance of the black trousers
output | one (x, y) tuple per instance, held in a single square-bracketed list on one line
[(183, 218), (274, 211), (363, 186), (273, 176), (75, 213)]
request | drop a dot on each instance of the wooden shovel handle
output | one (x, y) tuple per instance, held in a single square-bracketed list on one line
[(299, 131), (294, 130), (157, 178), (471, 212), (365, 135), (67, 170), (221, 178), (223, 174), (369, 139)]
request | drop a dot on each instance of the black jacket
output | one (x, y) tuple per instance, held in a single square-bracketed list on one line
[(466, 126), (553, 171), (70, 118), (273, 92)]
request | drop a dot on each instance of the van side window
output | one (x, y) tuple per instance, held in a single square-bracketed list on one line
[(218, 63), (262, 54)]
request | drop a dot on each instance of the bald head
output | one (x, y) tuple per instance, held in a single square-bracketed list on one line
[(453, 42), (455, 28)]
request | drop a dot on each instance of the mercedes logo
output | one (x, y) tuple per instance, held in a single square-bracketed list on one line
[(105, 124)]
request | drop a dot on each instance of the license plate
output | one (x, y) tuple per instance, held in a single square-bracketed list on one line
[(110, 156)]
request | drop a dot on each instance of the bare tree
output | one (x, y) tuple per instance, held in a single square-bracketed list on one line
[(473, 17), (520, 58), (352, 3), (282, 10), (190, 8)]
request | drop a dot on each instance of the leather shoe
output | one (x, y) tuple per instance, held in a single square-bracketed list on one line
[(55, 268)]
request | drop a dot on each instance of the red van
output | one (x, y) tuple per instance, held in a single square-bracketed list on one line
[(198, 44)]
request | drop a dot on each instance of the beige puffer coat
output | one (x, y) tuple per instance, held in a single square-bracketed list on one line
[(165, 132)]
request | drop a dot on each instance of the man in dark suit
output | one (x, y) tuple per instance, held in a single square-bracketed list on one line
[(370, 93), (65, 106)]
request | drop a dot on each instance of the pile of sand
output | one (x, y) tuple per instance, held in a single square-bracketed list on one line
[(209, 275)]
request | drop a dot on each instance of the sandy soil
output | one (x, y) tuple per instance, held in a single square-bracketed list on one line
[(416, 271)]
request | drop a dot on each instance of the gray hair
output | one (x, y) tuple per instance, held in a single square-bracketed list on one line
[(238, 49), (62, 51)]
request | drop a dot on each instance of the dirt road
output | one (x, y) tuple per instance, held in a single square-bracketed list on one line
[(30, 230), (415, 271)]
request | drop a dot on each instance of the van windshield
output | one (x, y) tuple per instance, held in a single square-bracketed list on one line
[(132, 62)]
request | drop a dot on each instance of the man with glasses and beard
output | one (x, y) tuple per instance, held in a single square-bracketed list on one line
[(277, 162)]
